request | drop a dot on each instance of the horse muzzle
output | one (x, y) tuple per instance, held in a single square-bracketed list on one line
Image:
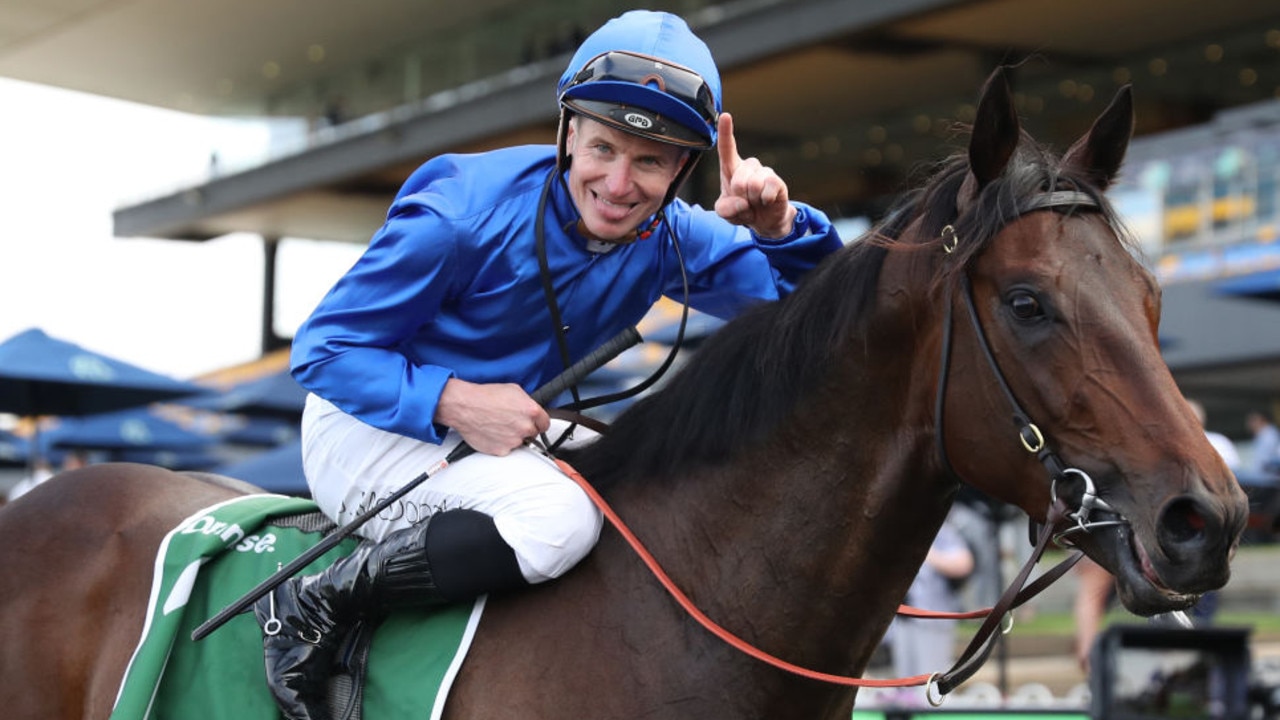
[(1165, 556), (1186, 555)]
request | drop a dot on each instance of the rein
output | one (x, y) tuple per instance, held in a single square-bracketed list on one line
[(1018, 592)]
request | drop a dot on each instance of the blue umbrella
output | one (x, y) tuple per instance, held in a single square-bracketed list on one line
[(136, 429), (278, 470), (173, 459), (41, 375), (1262, 285), (261, 432), (277, 395)]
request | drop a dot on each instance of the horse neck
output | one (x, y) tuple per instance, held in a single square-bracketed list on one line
[(806, 543)]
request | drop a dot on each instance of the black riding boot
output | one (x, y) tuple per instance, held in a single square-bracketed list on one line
[(451, 556)]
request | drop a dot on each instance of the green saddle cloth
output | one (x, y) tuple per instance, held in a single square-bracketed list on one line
[(211, 560)]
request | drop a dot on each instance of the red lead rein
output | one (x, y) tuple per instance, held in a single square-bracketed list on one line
[(715, 628)]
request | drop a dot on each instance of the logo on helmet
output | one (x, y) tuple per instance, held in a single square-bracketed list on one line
[(636, 120)]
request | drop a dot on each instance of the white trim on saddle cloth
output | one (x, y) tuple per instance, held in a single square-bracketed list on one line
[(464, 646)]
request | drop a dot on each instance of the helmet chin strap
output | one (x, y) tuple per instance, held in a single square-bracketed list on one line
[(641, 233), (562, 164)]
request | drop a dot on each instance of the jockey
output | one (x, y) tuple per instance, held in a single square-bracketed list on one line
[(492, 273)]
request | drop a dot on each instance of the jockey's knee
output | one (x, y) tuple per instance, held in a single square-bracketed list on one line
[(552, 536)]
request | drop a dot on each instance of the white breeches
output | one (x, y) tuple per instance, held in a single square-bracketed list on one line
[(541, 513)]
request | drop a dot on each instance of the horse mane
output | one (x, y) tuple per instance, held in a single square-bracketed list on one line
[(702, 415), (748, 377)]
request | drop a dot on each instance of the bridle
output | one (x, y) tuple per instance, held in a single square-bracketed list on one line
[(1032, 439), (1072, 520), (1029, 434)]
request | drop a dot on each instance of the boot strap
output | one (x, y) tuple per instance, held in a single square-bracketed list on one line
[(404, 577)]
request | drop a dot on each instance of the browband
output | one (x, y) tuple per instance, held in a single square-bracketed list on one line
[(1059, 198)]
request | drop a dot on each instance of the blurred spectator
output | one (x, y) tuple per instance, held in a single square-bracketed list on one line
[(977, 517), (74, 459), (925, 645), (1265, 457), (335, 111), (1220, 442), (1093, 596), (40, 471)]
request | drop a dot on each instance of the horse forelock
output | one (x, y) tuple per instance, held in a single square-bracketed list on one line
[(1032, 172)]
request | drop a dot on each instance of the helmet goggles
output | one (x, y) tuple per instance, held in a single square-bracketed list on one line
[(666, 89)]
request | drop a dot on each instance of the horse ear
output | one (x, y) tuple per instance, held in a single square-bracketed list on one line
[(1100, 152), (995, 132)]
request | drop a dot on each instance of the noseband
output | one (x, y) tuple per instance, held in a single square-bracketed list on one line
[(1071, 520)]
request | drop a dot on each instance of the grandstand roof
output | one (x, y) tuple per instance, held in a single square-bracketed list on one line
[(842, 96)]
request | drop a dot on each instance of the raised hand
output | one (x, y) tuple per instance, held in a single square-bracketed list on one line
[(750, 193)]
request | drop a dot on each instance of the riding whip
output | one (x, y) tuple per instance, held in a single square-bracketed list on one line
[(542, 396)]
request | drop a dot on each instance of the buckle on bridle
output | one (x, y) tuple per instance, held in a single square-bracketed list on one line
[(1031, 437), (949, 239)]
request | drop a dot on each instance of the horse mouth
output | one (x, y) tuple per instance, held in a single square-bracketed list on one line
[(1139, 585)]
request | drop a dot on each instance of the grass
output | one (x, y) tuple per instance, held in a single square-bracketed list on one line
[(1048, 623)]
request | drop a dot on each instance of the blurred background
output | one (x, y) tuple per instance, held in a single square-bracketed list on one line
[(223, 161), (324, 107)]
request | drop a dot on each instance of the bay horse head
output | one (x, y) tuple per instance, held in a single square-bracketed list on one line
[(1069, 390)]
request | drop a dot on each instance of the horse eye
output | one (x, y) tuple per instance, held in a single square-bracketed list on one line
[(1025, 306)]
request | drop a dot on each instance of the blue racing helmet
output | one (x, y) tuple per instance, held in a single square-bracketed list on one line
[(646, 73)]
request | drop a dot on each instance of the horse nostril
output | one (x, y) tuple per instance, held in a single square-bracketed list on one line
[(1192, 536), (1182, 523)]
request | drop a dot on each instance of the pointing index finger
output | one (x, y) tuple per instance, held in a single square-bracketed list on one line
[(727, 146)]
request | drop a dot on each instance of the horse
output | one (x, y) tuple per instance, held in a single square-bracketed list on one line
[(789, 478)]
